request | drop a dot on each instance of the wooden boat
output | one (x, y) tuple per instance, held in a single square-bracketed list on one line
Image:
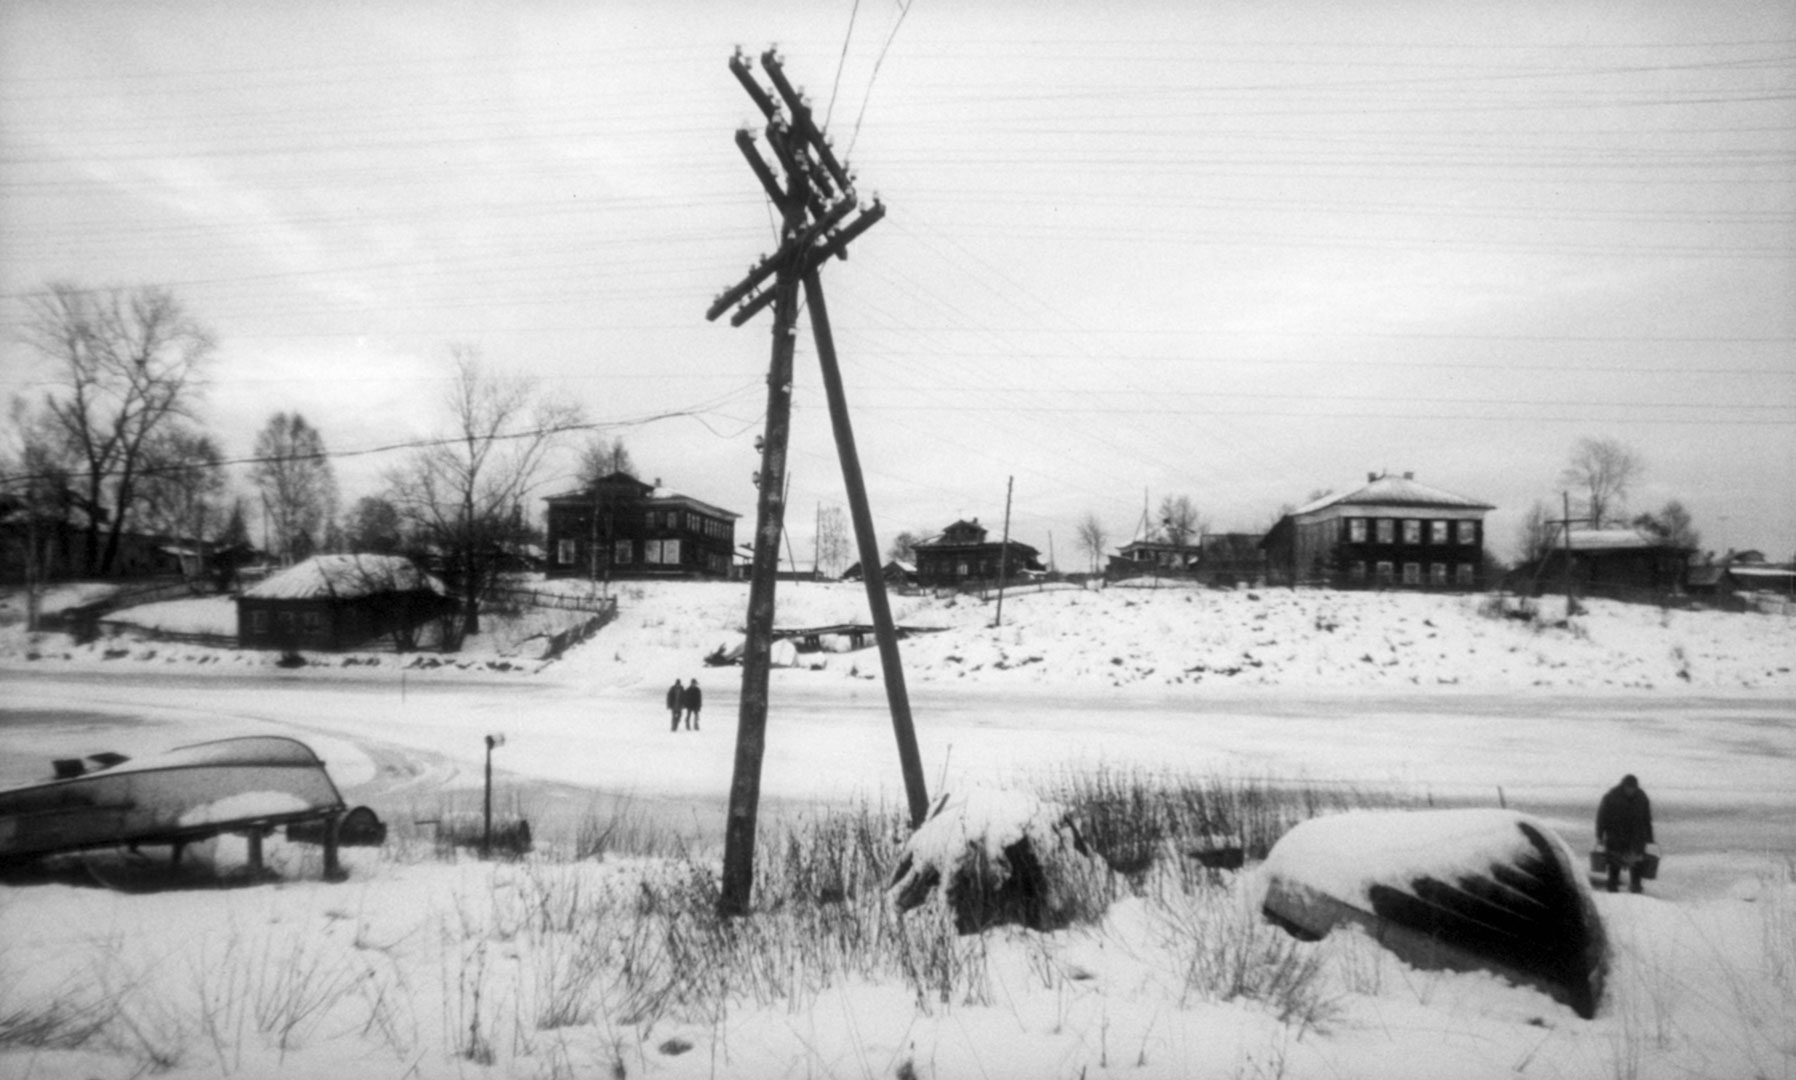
[(192, 793), (1460, 890)]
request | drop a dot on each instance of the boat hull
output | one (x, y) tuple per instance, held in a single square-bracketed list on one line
[(188, 794), (1503, 897)]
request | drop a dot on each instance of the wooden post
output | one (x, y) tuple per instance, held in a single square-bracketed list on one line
[(333, 865), (1004, 551), (1565, 496), (910, 761), (255, 850), (757, 651)]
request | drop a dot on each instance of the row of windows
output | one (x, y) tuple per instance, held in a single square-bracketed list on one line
[(1385, 529), (623, 553), (1464, 574), (689, 520), (289, 621)]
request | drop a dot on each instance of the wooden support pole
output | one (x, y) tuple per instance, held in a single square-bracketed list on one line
[(885, 633), (333, 864), (1004, 551), (757, 652)]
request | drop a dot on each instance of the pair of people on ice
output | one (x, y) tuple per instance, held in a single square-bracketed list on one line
[(1624, 827), (687, 701)]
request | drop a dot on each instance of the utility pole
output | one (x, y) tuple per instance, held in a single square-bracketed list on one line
[(1565, 530), (816, 202), (1004, 551)]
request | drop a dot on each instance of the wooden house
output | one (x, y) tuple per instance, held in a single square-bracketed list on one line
[(895, 572), (1620, 563), (1395, 532), (339, 601), (960, 554), (620, 527)]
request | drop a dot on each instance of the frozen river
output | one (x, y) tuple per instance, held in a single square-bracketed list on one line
[(1721, 769)]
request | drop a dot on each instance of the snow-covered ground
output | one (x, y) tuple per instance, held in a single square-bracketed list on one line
[(1429, 695)]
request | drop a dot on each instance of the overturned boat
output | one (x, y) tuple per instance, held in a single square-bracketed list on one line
[(248, 785), (1460, 890)]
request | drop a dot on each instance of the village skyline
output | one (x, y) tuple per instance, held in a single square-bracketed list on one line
[(1240, 255)]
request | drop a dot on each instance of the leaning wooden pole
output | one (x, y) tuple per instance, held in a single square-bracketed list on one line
[(910, 761), (757, 652)]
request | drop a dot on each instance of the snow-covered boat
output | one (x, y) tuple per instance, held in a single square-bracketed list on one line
[(192, 793), (1460, 890)]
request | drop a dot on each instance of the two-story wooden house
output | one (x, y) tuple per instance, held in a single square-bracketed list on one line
[(620, 527), (1393, 533), (961, 554)]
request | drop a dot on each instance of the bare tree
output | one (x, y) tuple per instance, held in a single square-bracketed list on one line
[(183, 487), (601, 457), (904, 547), (1605, 469), (34, 487), (128, 362), (1537, 533), (1672, 524), (464, 495), (1180, 522), (299, 489), (1093, 538), (832, 543), (373, 525)]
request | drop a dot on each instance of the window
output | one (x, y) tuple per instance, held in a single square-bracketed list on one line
[(1357, 570), (285, 618), (960, 568), (1468, 532), (1437, 532), (314, 622), (1384, 573), (564, 552), (1387, 530), (1356, 530), (621, 552), (1468, 575), (1412, 573), (670, 552), (1412, 531), (258, 622), (1437, 575)]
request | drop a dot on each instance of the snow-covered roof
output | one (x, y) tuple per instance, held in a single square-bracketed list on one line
[(1388, 490), (345, 577), (1624, 539)]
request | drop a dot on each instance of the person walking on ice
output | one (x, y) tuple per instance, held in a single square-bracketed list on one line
[(694, 700), (1624, 827), (676, 700)]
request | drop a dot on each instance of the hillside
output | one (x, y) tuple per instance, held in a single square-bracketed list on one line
[(1167, 639), (1137, 639)]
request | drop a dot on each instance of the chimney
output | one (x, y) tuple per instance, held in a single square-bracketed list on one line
[(1409, 476), (1371, 478)]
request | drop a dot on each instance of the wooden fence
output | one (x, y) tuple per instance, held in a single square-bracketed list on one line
[(596, 605)]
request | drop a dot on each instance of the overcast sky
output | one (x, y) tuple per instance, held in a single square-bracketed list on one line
[(1240, 252)]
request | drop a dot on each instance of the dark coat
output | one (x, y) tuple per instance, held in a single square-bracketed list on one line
[(675, 697), (1624, 822), (693, 698)]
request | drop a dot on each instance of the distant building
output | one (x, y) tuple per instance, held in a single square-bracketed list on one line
[(338, 602), (1620, 563), (1395, 532), (620, 527), (1213, 558), (960, 554), (894, 572)]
